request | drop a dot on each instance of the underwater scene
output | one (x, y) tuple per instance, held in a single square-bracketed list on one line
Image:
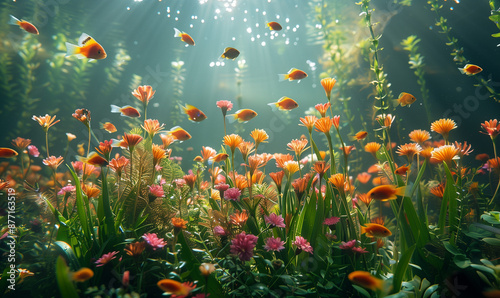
[(261, 148)]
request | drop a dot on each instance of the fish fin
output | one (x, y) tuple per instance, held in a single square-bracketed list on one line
[(115, 109), (273, 105), (72, 49), (292, 69), (363, 229), (400, 191), (13, 20), (232, 118), (173, 129), (84, 39), (462, 70), (282, 77), (177, 32)]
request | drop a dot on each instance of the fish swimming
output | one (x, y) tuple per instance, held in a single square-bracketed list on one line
[(284, 104), (386, 192), (7, 152), (128, 111), (274, 26), (359, 135), (87, 48), (184, 36), (401, 170), (242, 116), (406, 99), (470, 69), (179, 134), (26, 26), (194, 114), (292, 75), (109, 127), (230, 53), (375, 230)]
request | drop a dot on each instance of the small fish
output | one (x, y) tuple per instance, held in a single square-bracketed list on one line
[(274, 26), (189, 149), (7, 152), (184, 37), (375, 230), (242, 116), (292, 75), (128, 111), (80, 149), (87, 48), (406, 99), (366, 280), (470, 69), (219, 157), (194, 114), (109, 127), (401, 170), (386, 192), (179, 134), (284, 104), (361, 135), (26, 26), (82, 275), (93, 159), (230, 53), (363, 177)]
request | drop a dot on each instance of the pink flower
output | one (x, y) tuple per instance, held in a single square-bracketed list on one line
[(243, 245), (158, 168), (4, 235), (232, 194), (126, 278), (33, 151), (275, 220), (224, 105), (222, 187), (106, 258), (67, 189), (180, 182), (302, 245), (163, 181), (219, 231), (156, 191), (336, 121), (153, 240), (360, 250), (78, 166), (331, 221), (347, 245), (274, 244)]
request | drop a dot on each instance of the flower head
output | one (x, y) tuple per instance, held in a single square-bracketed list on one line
[(233, 141), (274, 220), (156, 191), (277, 178), (45, 121), (129, 141), (67, 189), (445, 153), (179, 223), (347, 245), (409, 150), (443, 127), (152, 127), (274, 244), (21, 143), (438, 190), (158, 154), (494, 164), (175, 288), (297, 146), (322, 108), (91, 191), (328, 84), (491, 128), (167, 140), (323, 124), (70, 136), (144, 93), (232, 194), (259, 136), (105, 149), (246, 148), (53, 162), (302, 245), (33, 151), (224, 105), (372, 148), (118, 164), (242, 245), (106, 258), (82, 115), (153, 240), (135, 249), (207, 268), (419, 136), (239, 218), (338, 181), (291, 167), (219, 231), (385, 120), (308, 122)]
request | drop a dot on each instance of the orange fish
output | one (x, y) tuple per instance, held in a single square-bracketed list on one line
[(274, 26), (219, 157), (26, 26), (82, 275), (230, 53), (386, 192), (94, 159), (482, 157), (184, 37), (406, 99), (292, 75), (7, 152), (189, 149), (80, 149), (470, 69), (243, 115), (401, 170), (359, 135), (128, 111), (179, 134), (87, 48), (109, 127), (375, 230), (366, 280), (284, 104), (194, 114)]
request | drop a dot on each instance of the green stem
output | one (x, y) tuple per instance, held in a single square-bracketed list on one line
[(47, 142), (332, 155)]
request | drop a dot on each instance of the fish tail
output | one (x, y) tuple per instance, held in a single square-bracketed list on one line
[(462, 70), (232, 118), (13, 20), (363, 229), (72, 49), (400, 191), (282, 77), (274, 106), (115, 109), (177, 32)]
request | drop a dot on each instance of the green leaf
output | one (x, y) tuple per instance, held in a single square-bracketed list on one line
[(65, 284), (362, 291), (492, 241), (461, 261), (401, 268), (68, 253)]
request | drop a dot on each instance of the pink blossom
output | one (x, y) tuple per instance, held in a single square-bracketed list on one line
[(158, 168), (275, 220), (347, 245), (180, 182), (153, 240), (243, 245), (331, 221), (33, 151), (78, 166), (274, 244), (222, 187), (232, 194), (302, 244), (162, 181), (224, 105), (4, 235), (156, 191), (106, 258), (360, 250), (219, 231), (67, 189)]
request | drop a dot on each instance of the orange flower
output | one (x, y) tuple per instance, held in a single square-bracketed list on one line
[(240, 181), (206, 269), (426, 152), (385, 120), (117, 164), (322, 108), (338, 181), (190, 180), (21, 143), (308, 122), (135, 249), (298, 146), (174, 287), (70, 136), (300, 185), (443, 127), (233, 141), (45, 121), (494, 164), (365, 199), (220, 157), (409, 150), (364, 177), (179, 223), (129, 141), (438, 191), (167, 140), (328, 84), (347, 150), (239, 219), (152, 127), (321, 167), (281, 159), (419, 136), (53, 162), (3, 184), (277, 178), (246, 148), (336, 121), (492, 128), (144, 93), (259, 136), (463, 149), (372, 148), (158, 154), (324, 124), (255, 162), (207, 153), (444, 153), (91, 191), (83, 115), (82, 275), (291, 167)]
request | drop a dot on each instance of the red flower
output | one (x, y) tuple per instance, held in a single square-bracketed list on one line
[(242, 245)]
